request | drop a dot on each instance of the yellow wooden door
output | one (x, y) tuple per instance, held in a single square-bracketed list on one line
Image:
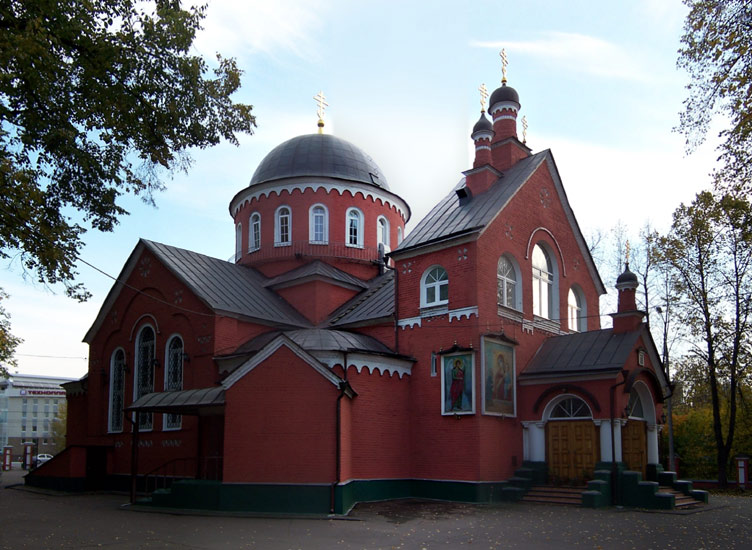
[(572, 449), (634, 446)]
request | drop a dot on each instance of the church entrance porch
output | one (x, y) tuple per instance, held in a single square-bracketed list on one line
[(634, 446)]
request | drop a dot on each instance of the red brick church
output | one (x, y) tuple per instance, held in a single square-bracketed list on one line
[(339, 359)]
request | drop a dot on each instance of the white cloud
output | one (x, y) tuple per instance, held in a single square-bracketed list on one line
[(576, 53), (242, 28)]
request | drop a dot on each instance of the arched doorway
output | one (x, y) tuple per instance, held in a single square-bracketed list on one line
[(634, 432), (571, 440)]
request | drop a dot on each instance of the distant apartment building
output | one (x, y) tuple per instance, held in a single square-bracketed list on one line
[(28, 405)]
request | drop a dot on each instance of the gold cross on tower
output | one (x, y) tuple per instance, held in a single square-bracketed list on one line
[(504, 63), (627, 255), (322, 104), (483, 95), (524, 129)]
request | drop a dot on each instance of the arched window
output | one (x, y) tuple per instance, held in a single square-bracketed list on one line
[(173, 377), (434, 287), (144, 375), (569, 408), (254, 232), (238, 242), (382, 233), (283, 227), (318, 223), (354, 229), (634, 407), (543, 277), (399, 235), (576, 312), (506, 283), (117, 391)]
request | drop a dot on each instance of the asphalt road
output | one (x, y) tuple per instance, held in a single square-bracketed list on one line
[(41, 520)]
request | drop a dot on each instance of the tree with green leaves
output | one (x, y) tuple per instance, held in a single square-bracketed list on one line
[(8, 342), (716, 52), (98, 98), (709, 249)]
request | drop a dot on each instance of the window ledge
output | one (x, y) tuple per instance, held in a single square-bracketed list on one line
[(546, 324), (282, 244), (434, 310), (509, 313)]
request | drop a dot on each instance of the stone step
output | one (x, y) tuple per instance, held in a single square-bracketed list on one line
[(548, 494), (680, 499)]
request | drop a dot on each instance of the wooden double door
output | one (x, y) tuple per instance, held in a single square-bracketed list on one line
[(634, 445), (572, 449)]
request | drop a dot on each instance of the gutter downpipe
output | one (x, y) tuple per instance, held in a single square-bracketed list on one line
[(134, 455), (338, 443), (614, 484)]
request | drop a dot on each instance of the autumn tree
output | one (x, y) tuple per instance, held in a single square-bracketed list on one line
[(58, 427), (709, 248), (716, 52), (98, 99), (8, 342)]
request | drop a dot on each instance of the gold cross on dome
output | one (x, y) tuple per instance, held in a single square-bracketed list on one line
[(483, 95), (627, 261), (322, 104), (504, 63), (524, 129)]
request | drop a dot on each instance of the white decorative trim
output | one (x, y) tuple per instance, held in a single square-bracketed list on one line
[(463, 312), (359, 361), (503, 105), (558, 248), (527, 326), (268, 350), (303, 184), (410, 322), (482, 147), (506, 117)]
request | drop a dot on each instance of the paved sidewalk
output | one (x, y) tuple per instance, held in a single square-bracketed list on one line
[(41, 520)]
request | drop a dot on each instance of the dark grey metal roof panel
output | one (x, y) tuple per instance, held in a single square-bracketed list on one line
[(180, 402), (227, 287), (319, 155), (320, 340), (317, 268), (594, 351), (376, 302), (449, 217)]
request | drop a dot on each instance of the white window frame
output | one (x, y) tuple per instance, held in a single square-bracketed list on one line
[(382, 233), (115, 370), (254, 232), (399, 235), (544, 284), (576, 312), (312, 224), (503, 282), (359, 228), (436, 285), (238, 241), (147, 422), (278, 234), (172, 422)]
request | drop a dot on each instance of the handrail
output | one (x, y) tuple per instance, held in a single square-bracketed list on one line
[(161, 477)]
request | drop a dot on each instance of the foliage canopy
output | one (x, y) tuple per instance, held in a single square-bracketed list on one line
[(98, 98), (717, 54)]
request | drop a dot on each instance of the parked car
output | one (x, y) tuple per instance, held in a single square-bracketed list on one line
[(40, 459)]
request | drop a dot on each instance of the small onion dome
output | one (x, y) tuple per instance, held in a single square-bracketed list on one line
[(504, 93), (483, 124), (627, 279)]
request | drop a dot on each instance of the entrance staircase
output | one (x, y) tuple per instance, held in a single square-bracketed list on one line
[(552, 494), (681, 501)]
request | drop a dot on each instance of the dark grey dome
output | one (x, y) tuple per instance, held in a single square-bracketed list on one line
[(627, 278), (504, 93), (483, 124), (319, 155)]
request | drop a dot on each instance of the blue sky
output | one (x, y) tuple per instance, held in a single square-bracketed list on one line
[(597, 82)]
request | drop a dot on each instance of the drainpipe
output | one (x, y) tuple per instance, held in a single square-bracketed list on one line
[(396, 304), (338, 444), (134, 455), (614, 484)]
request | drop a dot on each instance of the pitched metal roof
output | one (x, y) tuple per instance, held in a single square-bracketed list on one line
[(226, 287), (180, 402), (377, 302), (319, 340), (585, 352), (450, 218), (316, 269)]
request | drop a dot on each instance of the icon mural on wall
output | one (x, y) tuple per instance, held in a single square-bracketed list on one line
[(457, 395), (498, 378)]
